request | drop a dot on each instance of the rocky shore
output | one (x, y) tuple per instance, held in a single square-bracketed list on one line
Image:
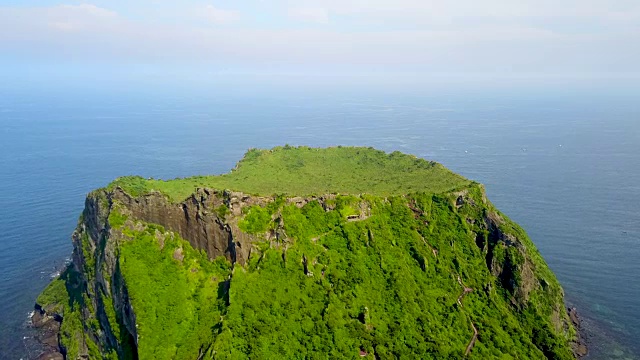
[(48, 332), (580, 344)]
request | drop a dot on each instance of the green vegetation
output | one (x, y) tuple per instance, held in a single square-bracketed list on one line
[(377, 285), (301, 171), (54, 296), (256, 220), (178, 294), (386, 285), (407, 262), (116, 218), (222, 211), (64, 296)]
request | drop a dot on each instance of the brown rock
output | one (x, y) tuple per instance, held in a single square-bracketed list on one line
[(54, 355), (48, 326), (195, 219), (178, 255), (579, 346)]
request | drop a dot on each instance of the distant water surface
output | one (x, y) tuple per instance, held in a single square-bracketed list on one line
[(566, 167)]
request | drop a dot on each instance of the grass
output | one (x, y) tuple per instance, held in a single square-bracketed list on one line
[(302, 171)]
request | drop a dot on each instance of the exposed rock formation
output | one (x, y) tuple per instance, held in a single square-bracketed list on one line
[(580, 344), (48, 326)]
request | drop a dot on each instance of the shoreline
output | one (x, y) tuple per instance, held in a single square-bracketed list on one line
[(602, 339), (580, 345), (47, 329)]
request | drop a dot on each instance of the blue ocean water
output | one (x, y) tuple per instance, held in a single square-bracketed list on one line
[(565, 165)]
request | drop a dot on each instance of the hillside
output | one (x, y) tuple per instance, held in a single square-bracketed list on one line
[(304, 253)]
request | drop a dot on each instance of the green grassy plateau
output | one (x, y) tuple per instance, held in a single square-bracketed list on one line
[(301, 171)]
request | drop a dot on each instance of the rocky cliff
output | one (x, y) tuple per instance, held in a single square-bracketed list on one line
[(226, 274)]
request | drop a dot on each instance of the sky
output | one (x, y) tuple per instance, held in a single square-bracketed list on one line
[(457, 38)]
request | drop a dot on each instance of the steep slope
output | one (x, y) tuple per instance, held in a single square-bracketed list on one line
[(358, 254)]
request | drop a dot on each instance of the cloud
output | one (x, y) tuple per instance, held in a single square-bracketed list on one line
[(220, 16), (61, 18), (73, 18), (313, 15), (62, 26), (90, 9), (404, 13), (429, 36), (482, 8)]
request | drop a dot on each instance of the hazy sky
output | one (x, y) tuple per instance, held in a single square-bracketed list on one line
[(569, 37)]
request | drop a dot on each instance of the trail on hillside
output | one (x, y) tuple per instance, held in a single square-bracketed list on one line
[(474, 337), (473, 340)]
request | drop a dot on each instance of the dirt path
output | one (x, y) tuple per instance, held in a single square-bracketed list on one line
[(473, 340), (465, 291), (433, 251)]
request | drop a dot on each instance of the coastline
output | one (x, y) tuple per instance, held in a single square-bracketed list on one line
[(580, 345), (47, 328), (602, 339)]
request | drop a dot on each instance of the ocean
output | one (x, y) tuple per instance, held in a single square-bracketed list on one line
[(563, 164)]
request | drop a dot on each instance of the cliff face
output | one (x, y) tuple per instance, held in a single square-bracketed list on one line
[(194, 219), (224, 274)]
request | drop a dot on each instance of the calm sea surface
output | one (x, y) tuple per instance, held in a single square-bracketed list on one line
[(566, 167)]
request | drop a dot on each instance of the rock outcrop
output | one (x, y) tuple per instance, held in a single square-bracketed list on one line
[(48, 326)]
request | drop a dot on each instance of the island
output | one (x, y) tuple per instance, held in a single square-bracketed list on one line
[(304, 253)]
